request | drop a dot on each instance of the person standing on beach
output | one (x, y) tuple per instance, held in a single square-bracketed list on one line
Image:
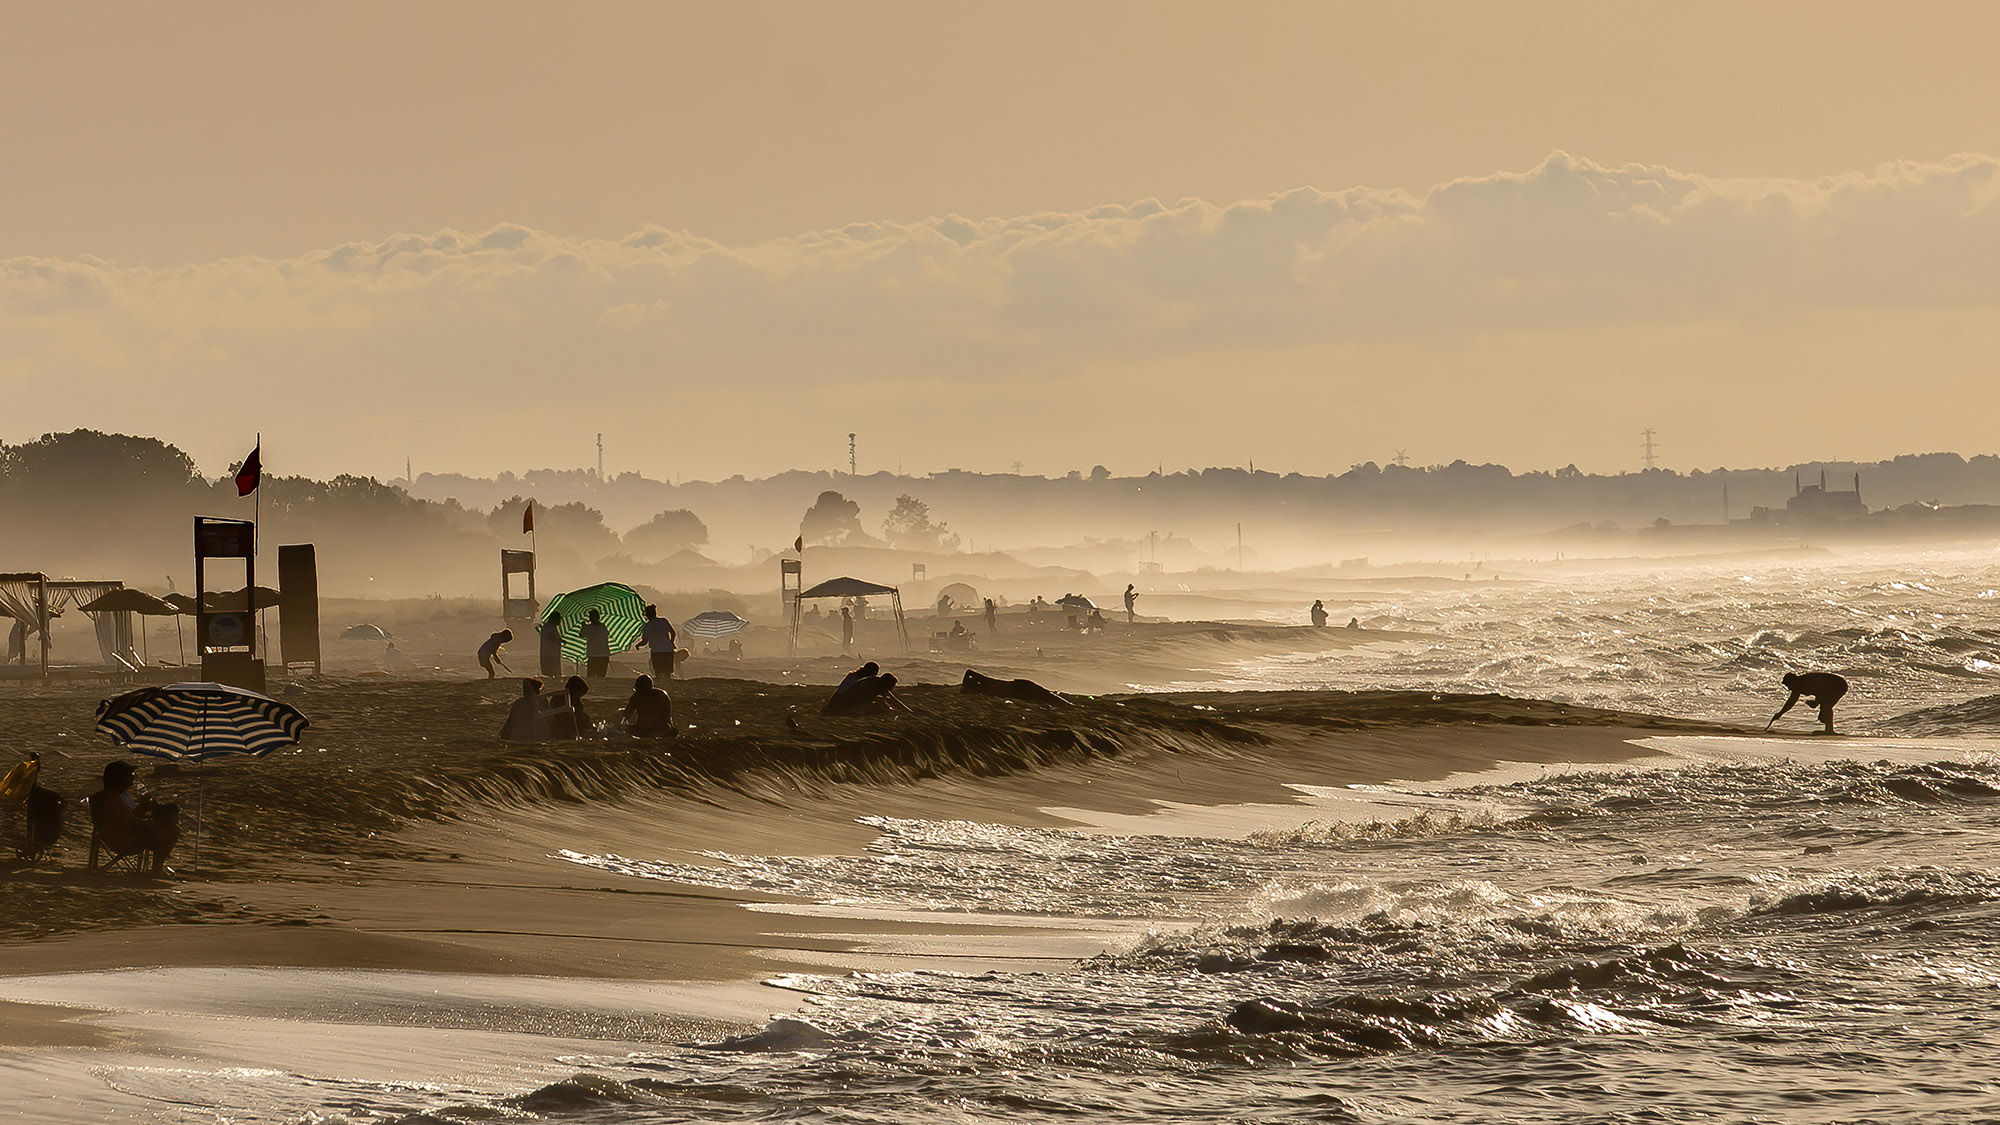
[(658, 634), (1319, 614), (552, 645), (992, 618), (489, 653), (846, 629), (1131, 597), (1820, 689), (596, 647)]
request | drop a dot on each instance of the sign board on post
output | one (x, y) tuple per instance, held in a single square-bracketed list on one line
[(298, 605)]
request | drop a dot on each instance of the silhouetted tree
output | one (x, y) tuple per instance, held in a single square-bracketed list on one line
[(909, 526), (832, 521), (673, 530)]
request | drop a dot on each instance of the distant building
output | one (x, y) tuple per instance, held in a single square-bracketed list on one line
[(1814, 504)]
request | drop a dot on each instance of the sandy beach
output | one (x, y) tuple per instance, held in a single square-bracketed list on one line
[(389, 901)]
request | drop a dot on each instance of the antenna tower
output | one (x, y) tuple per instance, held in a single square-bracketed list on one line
[(600, 456), (851, 470), (1647, 445)]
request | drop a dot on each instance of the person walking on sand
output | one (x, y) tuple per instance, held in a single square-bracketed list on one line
[(552, 645), (596, 647), (1820, 689), (846, 629), (1131, 597), (660, 639), (1319, 614), (992, 618), (489, 653)]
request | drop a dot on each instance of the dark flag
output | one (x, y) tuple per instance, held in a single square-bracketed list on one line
[(251, 471), (528, 519)]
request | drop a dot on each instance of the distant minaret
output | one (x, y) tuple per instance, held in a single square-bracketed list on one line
[(600, 456), (409, 474)]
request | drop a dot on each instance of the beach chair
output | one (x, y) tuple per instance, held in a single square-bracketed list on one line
[(44, 824), (119, 850)]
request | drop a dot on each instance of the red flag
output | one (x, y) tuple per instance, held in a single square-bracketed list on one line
[(250, 472), (799, 544), (528, 519)]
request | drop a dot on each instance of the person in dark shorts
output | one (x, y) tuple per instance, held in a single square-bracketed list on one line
[(1820, 689), (658, 635), (596, 646), (552, 645), (489, 653)]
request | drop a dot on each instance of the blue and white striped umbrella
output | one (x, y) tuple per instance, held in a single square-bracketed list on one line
[(714, 623), (196, 722)]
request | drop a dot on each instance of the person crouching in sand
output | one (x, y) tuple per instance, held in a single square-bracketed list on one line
[(649, 713), (862, 687), (1821, 689)]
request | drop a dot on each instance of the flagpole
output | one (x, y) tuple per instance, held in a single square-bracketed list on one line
[(256, 549)]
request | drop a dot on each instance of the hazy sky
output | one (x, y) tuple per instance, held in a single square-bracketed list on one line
[(1065, 234)]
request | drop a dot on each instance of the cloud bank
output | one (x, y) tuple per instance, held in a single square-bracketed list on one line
[(501, 328)]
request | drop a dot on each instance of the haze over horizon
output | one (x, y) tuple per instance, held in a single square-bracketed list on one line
[(1132, 236)]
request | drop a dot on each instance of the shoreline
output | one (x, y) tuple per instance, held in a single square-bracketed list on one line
[(533, 955)]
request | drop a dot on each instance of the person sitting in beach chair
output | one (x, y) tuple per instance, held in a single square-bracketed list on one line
[(527, 720), (566, 716), (128, 825)]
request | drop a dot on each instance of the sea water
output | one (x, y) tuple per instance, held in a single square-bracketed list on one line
[(1731, 931)]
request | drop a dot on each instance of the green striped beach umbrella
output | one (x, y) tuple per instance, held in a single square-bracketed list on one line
[(623, 611)]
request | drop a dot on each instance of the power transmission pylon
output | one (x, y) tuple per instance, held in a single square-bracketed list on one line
[(1648, 435)]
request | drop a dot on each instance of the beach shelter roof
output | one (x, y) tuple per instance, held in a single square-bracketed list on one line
[(364, 632), (126, 599), (620, 606), (847, 588)]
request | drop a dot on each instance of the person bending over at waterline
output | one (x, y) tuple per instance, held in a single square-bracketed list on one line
[(1820, 689)]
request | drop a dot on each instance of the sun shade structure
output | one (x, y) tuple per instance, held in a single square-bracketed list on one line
[(1076, 601), (621, 607), (197, 722), (364, 633), (714, 623), (34, 600), (848, 588)]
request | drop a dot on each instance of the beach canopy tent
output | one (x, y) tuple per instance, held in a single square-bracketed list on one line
[(32, 600), (962, 595), (364, 633), (714, 623), (848, 588), (618, 605)]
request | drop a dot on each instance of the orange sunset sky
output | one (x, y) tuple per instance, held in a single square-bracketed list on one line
[(725, 235)]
